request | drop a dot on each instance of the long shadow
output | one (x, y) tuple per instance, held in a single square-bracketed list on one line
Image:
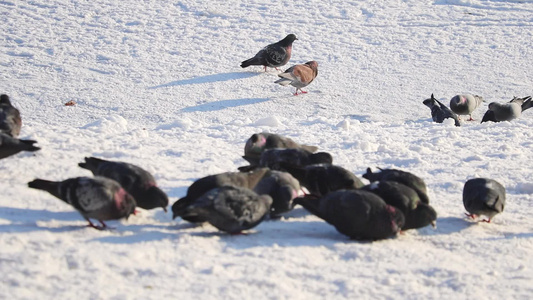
[(208, 79), (222, 104)]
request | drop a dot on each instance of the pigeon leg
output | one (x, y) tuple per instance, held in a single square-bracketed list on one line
[(471, 216), (265, 68), (91, 224), (486, 221), (471, 119)]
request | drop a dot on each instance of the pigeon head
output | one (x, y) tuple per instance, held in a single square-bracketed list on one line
[(288, 40), (157, 197), (429, 102), (4, 99), (313, 65), (422, 216)]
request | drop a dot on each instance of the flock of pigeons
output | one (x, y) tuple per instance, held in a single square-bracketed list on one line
[(281, 174), (467, 103)]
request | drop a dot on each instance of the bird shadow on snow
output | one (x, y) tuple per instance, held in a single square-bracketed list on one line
[(24, 220), (449, 225), (222, 104), (208, 79)]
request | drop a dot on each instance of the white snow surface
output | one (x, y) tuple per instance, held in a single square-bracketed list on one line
[(158, 84)]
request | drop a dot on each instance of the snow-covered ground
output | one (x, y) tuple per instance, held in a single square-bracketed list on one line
[(158, 84)]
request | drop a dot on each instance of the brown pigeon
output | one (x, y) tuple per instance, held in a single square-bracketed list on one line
[(274, 55), (299, 76)]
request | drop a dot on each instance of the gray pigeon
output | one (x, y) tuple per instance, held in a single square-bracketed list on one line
[(439, 111), (10, 145), (483, 196), (229, 208), (403, 177), (137, 181), (299, 76), (272, 158), (201, 186), (97, 198), (282, 187), (499, 112), (10, 121), (259, 142), (274, 55), (321, 179), (417, 214), (356, 213), (465, 104)]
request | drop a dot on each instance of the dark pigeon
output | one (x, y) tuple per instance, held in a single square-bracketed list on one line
[(439, 111), (465, 104), (259, 142), (201, 186), (136, 181), (274, 55), (321, 179), (282, 187), (272, 158), (299, 76), (417, 214), (97, 198), (358, 214), (10, 121), (11, 146), (483, 196), (406, 178), (499, 112), (229, 208)]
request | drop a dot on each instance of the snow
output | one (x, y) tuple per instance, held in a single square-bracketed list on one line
[(158, 84)]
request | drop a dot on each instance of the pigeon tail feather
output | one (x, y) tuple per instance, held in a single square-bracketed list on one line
[(45, 185)]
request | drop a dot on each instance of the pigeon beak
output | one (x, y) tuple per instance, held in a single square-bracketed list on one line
[(165, 208), (434, 224)]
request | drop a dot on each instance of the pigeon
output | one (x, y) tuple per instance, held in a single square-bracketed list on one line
[(320, 179), (282, 187), (499, 112), (201, 186), (271, 158), (97, 198), (10, 121), (10, 145), (274, 55), (406, 178), (439, 111), (417, 214), (229, 208), (299, 76), (136, 181), (483, 196), (465, 104), (259, 142), (356, 213)]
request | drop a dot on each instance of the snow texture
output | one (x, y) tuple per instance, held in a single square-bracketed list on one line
[(158, 84)]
